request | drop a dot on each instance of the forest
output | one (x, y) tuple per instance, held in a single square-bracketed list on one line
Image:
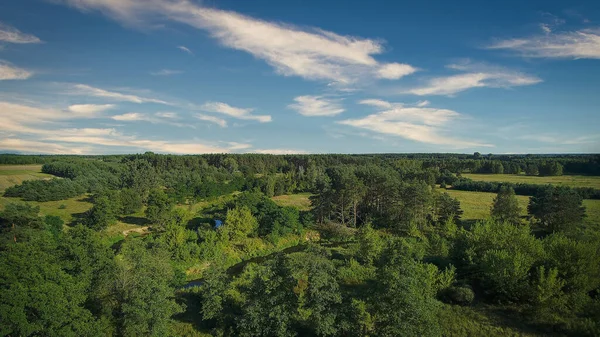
[(299, 245)]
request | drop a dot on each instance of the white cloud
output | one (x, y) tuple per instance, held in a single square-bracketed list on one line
[(12, 35), (221, 122), (475, 76), (131, 116), (30, 146), (414, 123), (423, 103), (47, 125), (89, 109), (185, 49), (157, 118), (166, 72), (546, 28), (377, 103), (239, 113), (393, 71), (279, 151), (316, 106), (86, 90), (10, 72), (581, 44), (309, 53)]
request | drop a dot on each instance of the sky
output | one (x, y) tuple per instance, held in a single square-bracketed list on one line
[(299, 76)]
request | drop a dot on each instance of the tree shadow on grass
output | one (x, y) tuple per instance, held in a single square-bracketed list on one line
[(77, 218), (86, 198), (134, 220)]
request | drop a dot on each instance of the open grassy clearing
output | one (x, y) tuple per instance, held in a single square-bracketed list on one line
[(15, 174), (476, 205), (300, 200), (71, 209), (567, 180)]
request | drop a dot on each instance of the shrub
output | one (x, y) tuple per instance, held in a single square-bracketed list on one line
[(461, 295)]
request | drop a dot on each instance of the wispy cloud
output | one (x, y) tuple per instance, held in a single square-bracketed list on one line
[(47, 125), (86, 90), (12, 35), (474, 76), (166, 72), (11, 72), (157, 118), (317, 106), (185, 49), (239, 113), (313, 54), (415, 123), (89, 109), (37, 147), (580, 44), (221, 122)]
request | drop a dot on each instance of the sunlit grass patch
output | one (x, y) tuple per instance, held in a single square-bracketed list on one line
[(300, 200)]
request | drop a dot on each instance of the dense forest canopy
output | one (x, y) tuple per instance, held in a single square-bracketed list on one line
[(383, 249)]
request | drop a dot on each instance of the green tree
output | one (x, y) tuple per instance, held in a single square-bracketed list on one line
[(405, 303), (447, 208), (239, 223), (557, 208), (370, 244), (270, 306), (506, 206), (131, 201), (159, 208), (38, 297), (54, 224), (103, 214), (146, 299)]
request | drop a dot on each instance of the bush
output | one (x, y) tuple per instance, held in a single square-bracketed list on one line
[(461, 295)]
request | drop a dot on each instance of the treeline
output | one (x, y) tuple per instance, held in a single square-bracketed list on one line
[(465, 184)]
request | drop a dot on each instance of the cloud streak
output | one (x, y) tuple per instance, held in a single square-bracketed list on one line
[(89, 109), (11, 72), (580, 44), (86, 90), (239, 113), (313, 54), (420, 124), (47, 126), (157, 118), (10, 34), (185, 49), (316, 106), (474, 76), (216, 120)]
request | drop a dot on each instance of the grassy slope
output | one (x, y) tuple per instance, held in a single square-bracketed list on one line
[(73, 206), (15, 174), (567, 180)]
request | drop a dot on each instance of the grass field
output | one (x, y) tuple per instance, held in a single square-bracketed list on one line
[(476, 205), (573, 181), (300, 200), (15, 174), (72, 206)]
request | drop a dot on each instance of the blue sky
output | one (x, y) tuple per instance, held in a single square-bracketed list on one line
[(297, 76)]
